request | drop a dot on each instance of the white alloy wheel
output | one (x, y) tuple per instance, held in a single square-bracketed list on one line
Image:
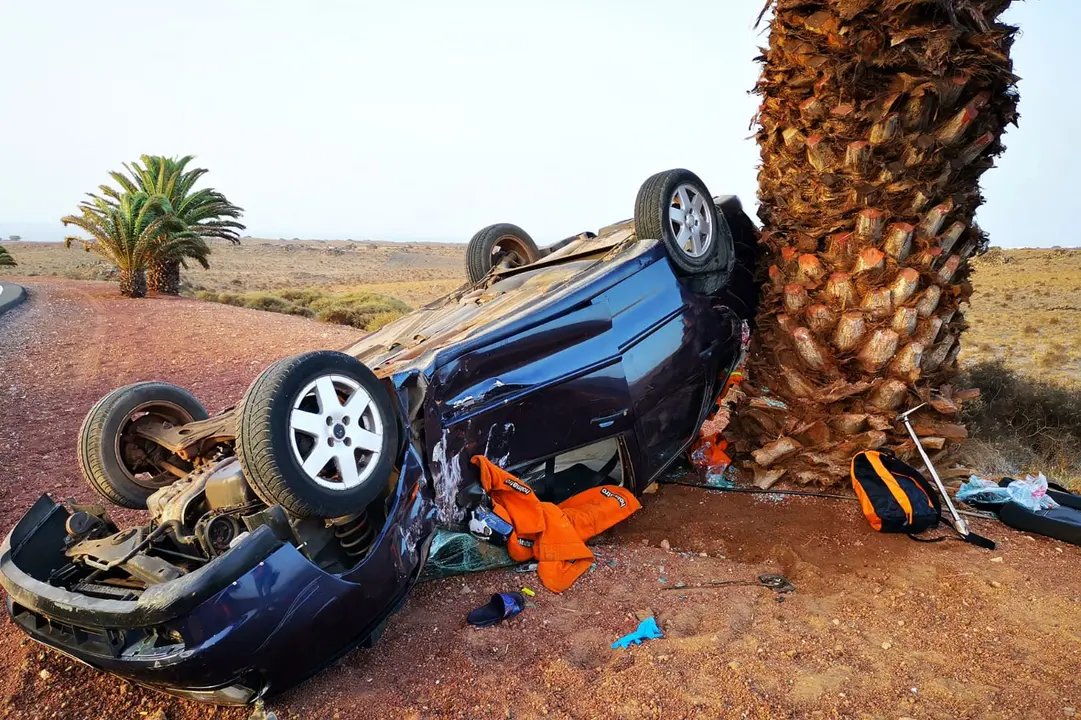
[(336, 432), (691, 220)]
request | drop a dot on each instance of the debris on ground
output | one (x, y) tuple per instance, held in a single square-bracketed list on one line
[(772, 581), (553, 535), (1030, 493), (454, 553), (261, 713), (499, 608), (647, 630)]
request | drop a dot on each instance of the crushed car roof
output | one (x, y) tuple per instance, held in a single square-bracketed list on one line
[(504, 303)]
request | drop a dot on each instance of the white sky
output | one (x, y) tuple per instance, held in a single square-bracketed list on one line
[(420, 119)]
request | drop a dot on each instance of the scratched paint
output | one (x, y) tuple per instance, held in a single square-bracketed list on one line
[(497, 447), (446, 480)]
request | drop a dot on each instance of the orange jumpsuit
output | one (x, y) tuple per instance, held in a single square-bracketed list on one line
[(553, 535)]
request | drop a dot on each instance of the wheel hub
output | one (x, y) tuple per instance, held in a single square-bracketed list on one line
[(690, 220), (335, 432)]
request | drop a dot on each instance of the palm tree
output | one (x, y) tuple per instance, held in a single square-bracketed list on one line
[(132, 230), (877, 120), (205, 211), (5, 258)]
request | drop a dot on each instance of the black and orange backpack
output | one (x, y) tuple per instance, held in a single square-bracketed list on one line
[(894, 496)]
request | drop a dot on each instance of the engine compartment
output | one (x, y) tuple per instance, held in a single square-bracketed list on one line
[(192, 521)]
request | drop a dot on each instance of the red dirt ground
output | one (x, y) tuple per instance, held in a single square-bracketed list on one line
[(879, 627)]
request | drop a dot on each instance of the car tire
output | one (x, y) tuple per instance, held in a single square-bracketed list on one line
[(701, 247), (114, 462), (497, 244), (317, 434)]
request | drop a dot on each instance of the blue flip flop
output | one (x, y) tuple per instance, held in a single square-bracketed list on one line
[(499, 608)]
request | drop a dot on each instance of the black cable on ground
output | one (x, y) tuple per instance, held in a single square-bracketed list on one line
[(806, 493)]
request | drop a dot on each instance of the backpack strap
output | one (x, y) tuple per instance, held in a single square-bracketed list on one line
[(891, 483), (972, 538), (931, 540)]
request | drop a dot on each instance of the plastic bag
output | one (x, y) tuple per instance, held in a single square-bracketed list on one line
[(1030, 493), (454, 553), (982, 490)]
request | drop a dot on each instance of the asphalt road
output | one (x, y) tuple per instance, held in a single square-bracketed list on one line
[(10, 296)]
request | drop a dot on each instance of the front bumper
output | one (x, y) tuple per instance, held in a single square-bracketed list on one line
[(253, 622)]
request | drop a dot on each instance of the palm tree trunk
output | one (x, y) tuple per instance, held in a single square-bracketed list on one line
[(133, 282), (164, 277), (877, 119)]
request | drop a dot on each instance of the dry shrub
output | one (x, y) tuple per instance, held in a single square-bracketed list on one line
[(993, 256), (359, 309), (1055, 357), (1023, 425)]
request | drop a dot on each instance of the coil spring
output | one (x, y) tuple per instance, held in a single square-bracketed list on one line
[(355, 535)]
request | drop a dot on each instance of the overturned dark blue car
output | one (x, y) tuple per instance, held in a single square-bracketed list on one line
[(285, 531)]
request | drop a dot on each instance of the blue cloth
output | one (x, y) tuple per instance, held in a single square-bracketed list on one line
[(647, 630)]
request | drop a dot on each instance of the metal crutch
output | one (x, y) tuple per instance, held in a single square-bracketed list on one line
[(958, 522)]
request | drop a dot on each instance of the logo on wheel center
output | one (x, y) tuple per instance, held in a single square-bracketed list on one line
[(339, 431)]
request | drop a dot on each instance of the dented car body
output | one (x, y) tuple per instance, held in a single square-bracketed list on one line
[(601, 340)]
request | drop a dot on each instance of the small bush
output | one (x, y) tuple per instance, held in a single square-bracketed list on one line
[(1031, 425), (302, 296), (359, 309), (380, 319)]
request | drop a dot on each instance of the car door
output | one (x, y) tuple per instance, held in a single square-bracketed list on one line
[(543, 391), (670, 350)]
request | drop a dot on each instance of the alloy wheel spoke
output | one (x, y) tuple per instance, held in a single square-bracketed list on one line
[(696, 242), (308, 423), (320, 455), (684, 238), (347, 467), (366, 439), (677, 215), (357, 404), (698, 204), (684, 201), (328, 396)]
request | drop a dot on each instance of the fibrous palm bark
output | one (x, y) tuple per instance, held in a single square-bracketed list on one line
[(133, 282), (163, 276), (877, 120)]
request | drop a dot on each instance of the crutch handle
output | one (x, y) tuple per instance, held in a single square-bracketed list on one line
[(904, 416)]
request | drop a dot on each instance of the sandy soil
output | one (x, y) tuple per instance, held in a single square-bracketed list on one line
[(879, 626)]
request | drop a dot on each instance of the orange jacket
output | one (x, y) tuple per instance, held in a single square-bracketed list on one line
[(553, 535)]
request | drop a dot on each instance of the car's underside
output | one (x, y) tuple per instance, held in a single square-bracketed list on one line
[(203, 507)]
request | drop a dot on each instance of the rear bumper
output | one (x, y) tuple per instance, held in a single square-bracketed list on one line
[(253, 622)]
